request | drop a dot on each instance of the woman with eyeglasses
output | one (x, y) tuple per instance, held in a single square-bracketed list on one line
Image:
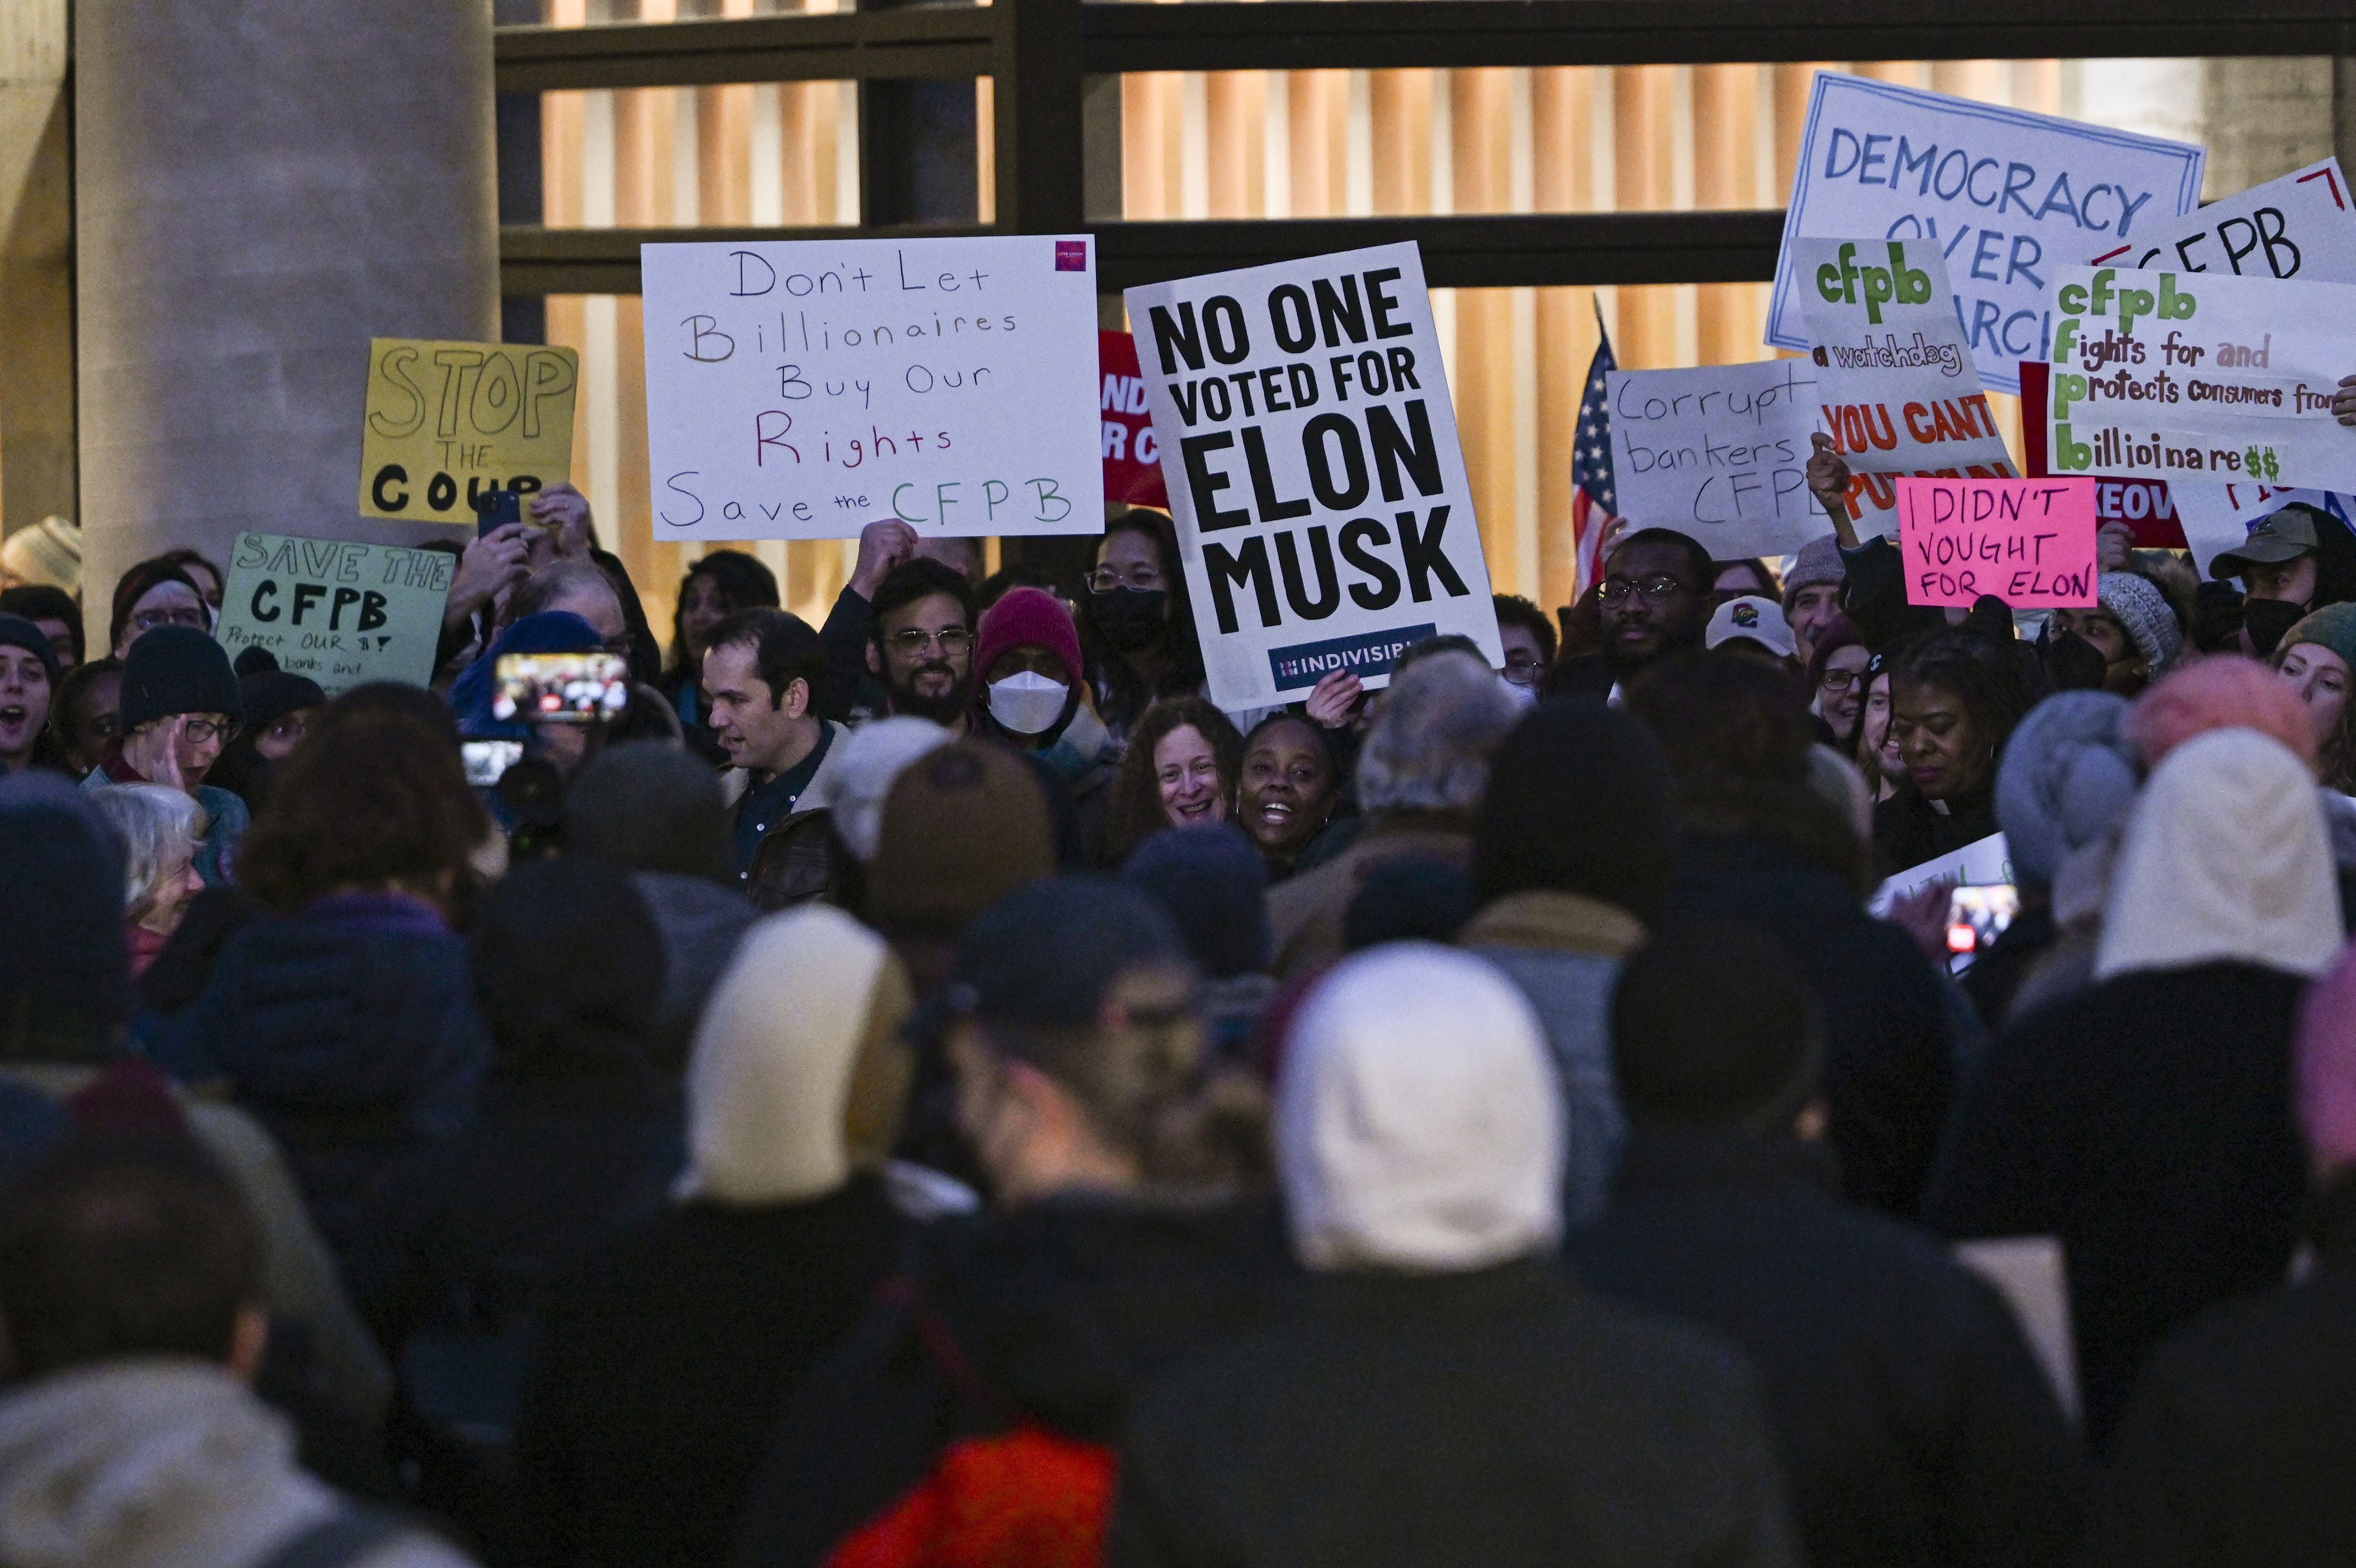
[(158, 592), (1836, 684), (179, 706), (1137, 625)]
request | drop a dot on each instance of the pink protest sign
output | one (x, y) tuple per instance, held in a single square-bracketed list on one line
[(2030, 542)]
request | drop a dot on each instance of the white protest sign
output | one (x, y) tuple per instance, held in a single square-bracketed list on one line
[(2005, 196), (1983, 862), (2301, 226), (1309, 450), (803, 389), (2217, 517), (2175, 375), (340, 613), (1718, 453), (1895, 382)]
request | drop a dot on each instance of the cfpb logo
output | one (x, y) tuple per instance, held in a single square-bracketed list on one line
[(1838, 282)]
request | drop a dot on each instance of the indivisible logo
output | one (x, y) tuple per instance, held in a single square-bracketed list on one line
[(1071, 255), (1369, 654), (1746, 615)]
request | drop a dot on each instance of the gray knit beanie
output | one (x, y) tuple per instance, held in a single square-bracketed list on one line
[(1819, 560), (2068, 775), (2143, 610)]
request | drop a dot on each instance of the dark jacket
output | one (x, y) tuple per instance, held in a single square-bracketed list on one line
[(667, 1356), (2147, 1122), (1909, 830), (1021, 1340), (1500, 1418), (1912, 1421), (1891, 1039), (2236, 1448), (350, 1031)]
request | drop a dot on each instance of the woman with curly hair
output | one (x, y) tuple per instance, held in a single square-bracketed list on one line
[(1180, 771)]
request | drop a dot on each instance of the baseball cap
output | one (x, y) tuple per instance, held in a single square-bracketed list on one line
[(1048, 953), (2278, 536), (1760, 620)]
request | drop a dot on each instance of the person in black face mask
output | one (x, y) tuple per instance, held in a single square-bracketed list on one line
[(2296, 560), (1136, 624)]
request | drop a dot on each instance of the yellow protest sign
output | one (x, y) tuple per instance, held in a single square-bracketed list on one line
[(447, 423)]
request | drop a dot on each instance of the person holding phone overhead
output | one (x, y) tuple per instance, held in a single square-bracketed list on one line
[(179, 706)]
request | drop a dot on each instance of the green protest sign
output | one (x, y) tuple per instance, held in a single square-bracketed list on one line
[(338, 612)]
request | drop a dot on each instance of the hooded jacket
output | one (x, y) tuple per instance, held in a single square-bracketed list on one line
[(2147, 1122), (668, 1350), (160, 1463)]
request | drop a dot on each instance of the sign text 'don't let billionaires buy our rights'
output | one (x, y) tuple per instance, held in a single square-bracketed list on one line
[(1309, 451)]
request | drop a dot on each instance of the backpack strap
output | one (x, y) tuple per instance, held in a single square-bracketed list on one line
[(338, 1541)]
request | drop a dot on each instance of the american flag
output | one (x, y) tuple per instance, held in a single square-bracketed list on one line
[(1593, 497)]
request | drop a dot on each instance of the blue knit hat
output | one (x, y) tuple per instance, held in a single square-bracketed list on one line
[(1215, 885), (2068, 775)]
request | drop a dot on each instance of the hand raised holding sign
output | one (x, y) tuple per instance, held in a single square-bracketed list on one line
[(2343, 401), (1828, 477)]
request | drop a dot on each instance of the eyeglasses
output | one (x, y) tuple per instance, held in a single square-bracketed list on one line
[(1653, 590), (1144, 579), (1842, 679), (1523, 670), (912, 642), (148, 620), (203, 729)]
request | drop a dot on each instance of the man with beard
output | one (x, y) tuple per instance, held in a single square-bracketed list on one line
[(922, 649), (1656, 601)]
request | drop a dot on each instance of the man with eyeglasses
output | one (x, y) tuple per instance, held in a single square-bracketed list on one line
[(922, 649), (1654, 602), (181, 706)]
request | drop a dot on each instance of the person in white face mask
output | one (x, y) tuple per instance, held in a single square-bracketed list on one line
[(1030, 694)]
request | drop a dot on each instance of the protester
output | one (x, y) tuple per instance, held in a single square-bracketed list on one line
[(1654, 599), (54, 612), (1571, 860), (85, 714), (1913, 1424), (2147, 1122), (132, 1298), (154, 593), (179, 706), (1877, 756), (1136, 623), (922, 650), (1031, 696), (2233, 1449), (2131, 627), (762, 670), (1288, 790), (720, 584), (1955, 698), (342, 1017), (2316, 657), (1742, 578), (575, 588), (1443, 1392), (871, 760), (1753, 627), (161, 831), (1528, 634), (47, 554), (983, 1399), (1811, 593), (2295, 559), (28, 677), (277, 707), (1180, 771), (1412, 898), (1211, 881)]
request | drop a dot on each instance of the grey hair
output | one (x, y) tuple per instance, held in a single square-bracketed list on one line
[(1434, 732), (159, 828), (560, 580)]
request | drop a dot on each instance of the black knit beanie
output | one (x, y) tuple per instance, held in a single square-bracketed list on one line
[(1578, 802), (173, 670), (15, 632), (270, 693)]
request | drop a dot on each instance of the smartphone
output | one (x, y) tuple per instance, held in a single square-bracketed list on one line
[(489, 761), (560, 688), (499, 508), (1977, 916)]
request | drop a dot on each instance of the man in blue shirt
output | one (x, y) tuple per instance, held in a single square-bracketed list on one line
[(761, 667)]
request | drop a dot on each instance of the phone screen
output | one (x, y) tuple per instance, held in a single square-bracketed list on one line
[(489, 761), (1977, 916), (560, 688)]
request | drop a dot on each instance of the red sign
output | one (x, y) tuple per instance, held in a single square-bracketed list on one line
[(1132, 464), (2142, 504)]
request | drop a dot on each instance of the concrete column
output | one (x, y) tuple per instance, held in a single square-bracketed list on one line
[(37, 313), (262, 187), (2265, 117)]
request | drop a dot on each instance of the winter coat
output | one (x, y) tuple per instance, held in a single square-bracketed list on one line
[(1912, 1421), (1563, 951), (350, 1031), (1501, 1417), (667, 1356), (2147, 1122), (160, 1462), (700, 922), (1891, 1037), (995, 1380), (1909, 830), (2236, 1447), (1305, 914)]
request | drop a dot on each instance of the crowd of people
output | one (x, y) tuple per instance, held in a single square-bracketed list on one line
[(934, 1089)]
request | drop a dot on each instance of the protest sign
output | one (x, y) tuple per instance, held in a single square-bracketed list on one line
[(2145, 505), (1309, 446), (1895, 384), (1983, 862), (803, 389), (2218, 518), (2030, 542), (2180, 376), (1132, 465), (1719, 454), (337, 612), (2301, 226), (448, 422), (2001, 194)]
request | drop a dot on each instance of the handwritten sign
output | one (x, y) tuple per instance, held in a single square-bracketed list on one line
[(2301, 226), (1895, 382), (1983, 862), (1719, 454), (447, 423), (804, 389), (1309, 445), (2180, 376), (1132, 462), (2030, 542), (341, 613), (2001, 194)]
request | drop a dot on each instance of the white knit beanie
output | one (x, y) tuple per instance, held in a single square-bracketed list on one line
[(1418, 1121)]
